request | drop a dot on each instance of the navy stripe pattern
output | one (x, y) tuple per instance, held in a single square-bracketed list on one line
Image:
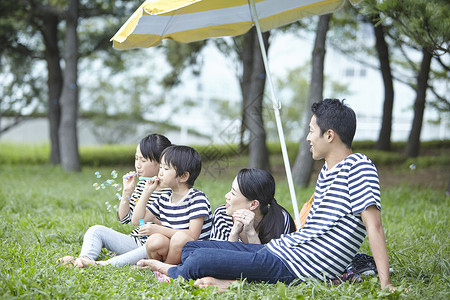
[(334, 230), (140, 240), (177, 215), (222, 224)]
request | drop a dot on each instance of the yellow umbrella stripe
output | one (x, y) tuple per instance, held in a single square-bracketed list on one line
[(270, 17), (149, 40), (190, 6), (128, 27), (166, 24), (156, 7), (264, 8), (289, 16)]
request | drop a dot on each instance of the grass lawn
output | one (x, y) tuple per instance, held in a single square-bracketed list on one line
[(45, 211)]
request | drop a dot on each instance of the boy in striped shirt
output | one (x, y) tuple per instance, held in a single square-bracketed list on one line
[(179, 215), (346, 207)]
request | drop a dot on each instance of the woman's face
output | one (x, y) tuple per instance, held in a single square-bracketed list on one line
[(235, 200), (144, 166)]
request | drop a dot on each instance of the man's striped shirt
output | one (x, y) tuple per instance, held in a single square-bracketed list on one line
[(334, 230)]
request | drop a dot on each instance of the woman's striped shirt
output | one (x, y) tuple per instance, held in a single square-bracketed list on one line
[(222, 224), (177, 215), (140, 240), (334, 230)]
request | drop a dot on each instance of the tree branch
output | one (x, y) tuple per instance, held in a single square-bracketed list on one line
[(44, 9)]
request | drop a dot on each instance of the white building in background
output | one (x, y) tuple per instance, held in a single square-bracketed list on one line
[(218, 80)]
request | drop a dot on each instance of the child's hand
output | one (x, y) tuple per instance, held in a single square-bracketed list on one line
[(129, 181), (151, 185), (148, 229)]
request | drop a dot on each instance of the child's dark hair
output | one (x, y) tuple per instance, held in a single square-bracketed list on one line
[(334, 114), (257, 184), (183, 159), (153, 145)]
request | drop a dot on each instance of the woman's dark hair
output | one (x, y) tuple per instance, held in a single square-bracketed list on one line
[(153, 145), (257, 184)]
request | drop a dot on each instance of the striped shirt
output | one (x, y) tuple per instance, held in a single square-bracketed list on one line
[(177, 215), (334, 230), (140, 240), (222, 224)]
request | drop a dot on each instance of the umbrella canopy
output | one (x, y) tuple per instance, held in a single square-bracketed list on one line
[(193, 20)]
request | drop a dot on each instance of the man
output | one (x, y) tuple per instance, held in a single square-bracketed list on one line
[(346, 206)]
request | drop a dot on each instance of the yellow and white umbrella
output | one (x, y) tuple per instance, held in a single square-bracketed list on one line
[(193, 20)]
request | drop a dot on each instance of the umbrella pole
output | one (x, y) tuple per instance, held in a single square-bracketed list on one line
[(276, 107)]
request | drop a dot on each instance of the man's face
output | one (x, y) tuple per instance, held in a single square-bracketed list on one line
[(317, 141)]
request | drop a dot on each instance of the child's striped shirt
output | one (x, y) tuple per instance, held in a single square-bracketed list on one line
[(177, 215)]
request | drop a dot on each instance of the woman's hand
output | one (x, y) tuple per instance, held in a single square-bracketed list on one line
[(243, 219), (246, 218)]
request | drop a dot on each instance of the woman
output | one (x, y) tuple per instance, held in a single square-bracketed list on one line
[(251, 215)]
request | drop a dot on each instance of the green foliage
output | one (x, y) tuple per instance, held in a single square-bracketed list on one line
[(13, 154), (24, 52), (108, 156), (111, 155), (294, 89), (45, 218), (181, 56), (425, 22)]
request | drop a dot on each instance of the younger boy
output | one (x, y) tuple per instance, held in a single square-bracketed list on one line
[(180, 215)]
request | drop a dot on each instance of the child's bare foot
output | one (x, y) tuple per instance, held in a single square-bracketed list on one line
[(222, 284), (83, 262), (154, 265), (67, 260)]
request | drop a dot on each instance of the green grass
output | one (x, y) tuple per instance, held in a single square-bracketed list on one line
[(45, 211)]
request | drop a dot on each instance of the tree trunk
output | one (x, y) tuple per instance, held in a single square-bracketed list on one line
[(384, 138), (413, 145), (70, 159), (301, 171), (54, 83), (252, 87)]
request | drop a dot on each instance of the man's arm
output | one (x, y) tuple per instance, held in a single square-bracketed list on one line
[(371, 217)]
